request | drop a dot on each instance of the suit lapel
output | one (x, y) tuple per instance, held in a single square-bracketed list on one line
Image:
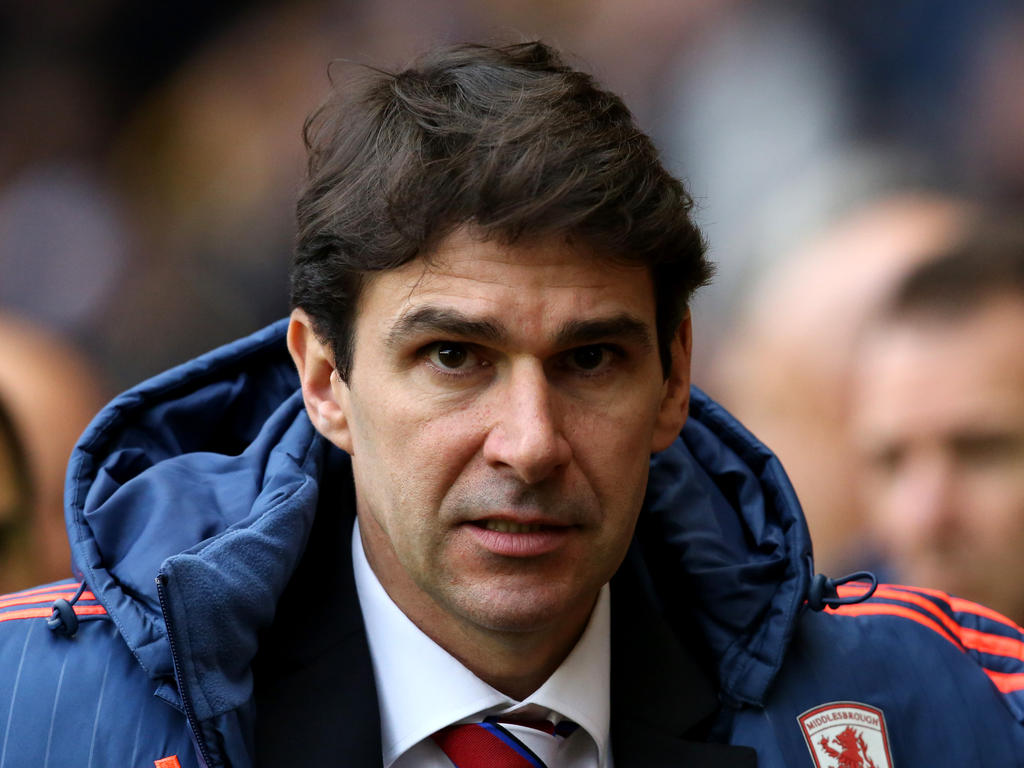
[(662, 701)]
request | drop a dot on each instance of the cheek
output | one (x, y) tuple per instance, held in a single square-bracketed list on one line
[(892, 527), (620, 425), (997, 511), (406, 462), (613, 453), (612, 439)]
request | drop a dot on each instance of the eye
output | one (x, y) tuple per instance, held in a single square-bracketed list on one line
[(887, 460), (588, 358), (452, 357), (987, 449), (591, 359), (449, 355)]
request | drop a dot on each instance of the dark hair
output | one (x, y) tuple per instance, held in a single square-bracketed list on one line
[(508, 140), (986, 263)]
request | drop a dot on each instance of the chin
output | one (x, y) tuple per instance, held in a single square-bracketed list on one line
[(522, 622), (522, 611)]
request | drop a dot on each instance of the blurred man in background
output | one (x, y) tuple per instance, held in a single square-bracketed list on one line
[(938, 416), (786, 367), (48, 393)]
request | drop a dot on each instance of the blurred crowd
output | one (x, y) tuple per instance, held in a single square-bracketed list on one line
[(151, 151)]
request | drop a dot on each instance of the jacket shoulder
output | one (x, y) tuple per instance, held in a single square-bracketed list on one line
[(991, 641), (80, 699), (946, 677)]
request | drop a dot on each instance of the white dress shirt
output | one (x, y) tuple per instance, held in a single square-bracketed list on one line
[(421, 688)]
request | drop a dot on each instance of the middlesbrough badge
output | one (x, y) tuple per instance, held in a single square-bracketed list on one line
[(846, 734)]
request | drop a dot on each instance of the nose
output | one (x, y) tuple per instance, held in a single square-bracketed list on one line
[(928, 498), (526, 434)]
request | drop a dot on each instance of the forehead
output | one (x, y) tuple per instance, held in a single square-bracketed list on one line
[(940, 370), (981, 343), (527, 283)]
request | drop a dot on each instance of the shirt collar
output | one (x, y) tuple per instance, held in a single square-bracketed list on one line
[(421, 688)]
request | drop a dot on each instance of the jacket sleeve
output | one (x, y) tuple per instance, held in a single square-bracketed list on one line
[(78, 700)]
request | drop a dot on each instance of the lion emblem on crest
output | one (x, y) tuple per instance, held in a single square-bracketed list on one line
[(852, 752), (846, 734)]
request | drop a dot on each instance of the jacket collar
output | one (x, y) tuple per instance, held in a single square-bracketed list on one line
[(313, 674), (663, 702), (727, 545), (173, 474)]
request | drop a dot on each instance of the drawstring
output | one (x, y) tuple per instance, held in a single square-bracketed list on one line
[(63, 620), (824, 591)]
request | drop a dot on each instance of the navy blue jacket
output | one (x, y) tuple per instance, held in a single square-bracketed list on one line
[(218, 625)]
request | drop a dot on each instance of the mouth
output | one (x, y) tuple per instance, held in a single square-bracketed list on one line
[(512, 538), (509, 526)]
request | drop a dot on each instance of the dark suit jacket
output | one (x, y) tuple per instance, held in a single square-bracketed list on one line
[(316, 702)]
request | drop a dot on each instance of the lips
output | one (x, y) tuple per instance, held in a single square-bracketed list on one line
[(508, 526), (511, 538)]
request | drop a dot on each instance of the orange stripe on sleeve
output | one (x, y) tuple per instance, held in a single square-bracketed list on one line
[(1005, 682), (885, 609), (43, 598), (966, 606), (25, 613), (854, 588), (960, 605), (859, 588), (37, 613), (983, 642), (997, 645), (924, 603), (923, 590), (36, 590)]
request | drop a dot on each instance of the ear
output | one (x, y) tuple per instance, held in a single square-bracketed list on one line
[(675, 403), (325, 394)]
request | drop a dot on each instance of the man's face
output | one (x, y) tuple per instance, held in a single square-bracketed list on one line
[(501, 410), (940, 419)]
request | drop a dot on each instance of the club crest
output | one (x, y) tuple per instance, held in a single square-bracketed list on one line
[(846, 734)]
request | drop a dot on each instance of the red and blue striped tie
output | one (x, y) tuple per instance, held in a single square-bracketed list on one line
[(491, 745)]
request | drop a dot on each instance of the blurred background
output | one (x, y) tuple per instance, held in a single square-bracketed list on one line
[(150, 155)]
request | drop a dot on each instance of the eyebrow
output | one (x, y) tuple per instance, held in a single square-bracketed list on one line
[(623, 326), (444, 321)]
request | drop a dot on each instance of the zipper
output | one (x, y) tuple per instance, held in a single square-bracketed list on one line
[(190, 713)]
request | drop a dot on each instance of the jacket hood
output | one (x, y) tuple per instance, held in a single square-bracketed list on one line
[(207, 472), (729, 545), (205, 478)]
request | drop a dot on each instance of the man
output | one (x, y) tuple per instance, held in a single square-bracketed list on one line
[(786, 366), (40, 420), (402, 556), (939, 419)]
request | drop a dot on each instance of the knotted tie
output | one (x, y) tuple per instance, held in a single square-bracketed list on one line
[(491, 744)]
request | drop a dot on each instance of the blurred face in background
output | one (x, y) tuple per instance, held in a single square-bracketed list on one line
[(49, 391), (939, 420), (15, 500)]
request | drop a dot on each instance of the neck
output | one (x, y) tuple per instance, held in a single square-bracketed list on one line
[(514, 659), (515, 663)]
